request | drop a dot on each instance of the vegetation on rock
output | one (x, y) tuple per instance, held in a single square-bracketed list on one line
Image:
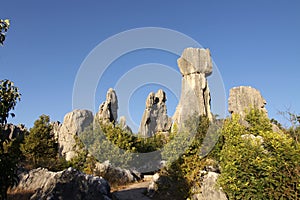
[(257, 163), (106, 141)]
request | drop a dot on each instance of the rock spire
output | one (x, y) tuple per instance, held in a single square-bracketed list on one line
[(155, 118), (195, 65)]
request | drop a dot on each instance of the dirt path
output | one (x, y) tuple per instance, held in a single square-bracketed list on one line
[(135, 191)]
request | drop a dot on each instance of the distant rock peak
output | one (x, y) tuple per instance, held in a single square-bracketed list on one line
[(155, 118), (108, 110), (244, 97)]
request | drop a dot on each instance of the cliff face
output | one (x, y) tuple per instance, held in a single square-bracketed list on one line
[(74, 123), (245, 97), (195, 65)]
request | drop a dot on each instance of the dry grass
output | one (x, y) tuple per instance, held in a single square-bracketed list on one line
[(19, 195)]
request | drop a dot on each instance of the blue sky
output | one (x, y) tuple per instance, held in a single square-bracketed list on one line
[(253, 43)]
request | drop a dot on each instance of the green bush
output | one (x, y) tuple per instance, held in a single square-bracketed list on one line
[(106, 141), (261, 167)]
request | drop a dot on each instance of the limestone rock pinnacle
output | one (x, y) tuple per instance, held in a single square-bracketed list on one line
[(108, 110), (155, 118), (194, 64)]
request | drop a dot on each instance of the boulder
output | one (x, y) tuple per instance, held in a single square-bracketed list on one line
[(116, 175), (108, 110), (242, 98), (155, 118), (67, 184), (74, 123), (194, 64), (153, 185), (209, 188)]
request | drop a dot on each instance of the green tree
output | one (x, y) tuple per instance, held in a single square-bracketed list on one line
[(9, 96), (39, 145), (108, 142), (4, 26)]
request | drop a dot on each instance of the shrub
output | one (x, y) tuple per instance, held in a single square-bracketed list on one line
[(261, 167)]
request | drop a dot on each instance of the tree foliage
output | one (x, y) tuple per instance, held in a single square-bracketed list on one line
[(106, 141), (4, 26), (9, 95), (258, 163), (184, 151), (39, 145)]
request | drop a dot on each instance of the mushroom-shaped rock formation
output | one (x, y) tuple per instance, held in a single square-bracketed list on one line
[(195, 65)]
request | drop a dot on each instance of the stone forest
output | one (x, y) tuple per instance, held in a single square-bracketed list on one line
[(97, 156)]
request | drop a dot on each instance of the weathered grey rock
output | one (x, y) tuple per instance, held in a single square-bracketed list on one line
[(194, 64), (67, 184), (155, 118), (153, 185), (108, 110), (195, 61), (242, 98), (10, 131), (56, 128), (116, 175), (74, 123), (123, 124), (209, 188)]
